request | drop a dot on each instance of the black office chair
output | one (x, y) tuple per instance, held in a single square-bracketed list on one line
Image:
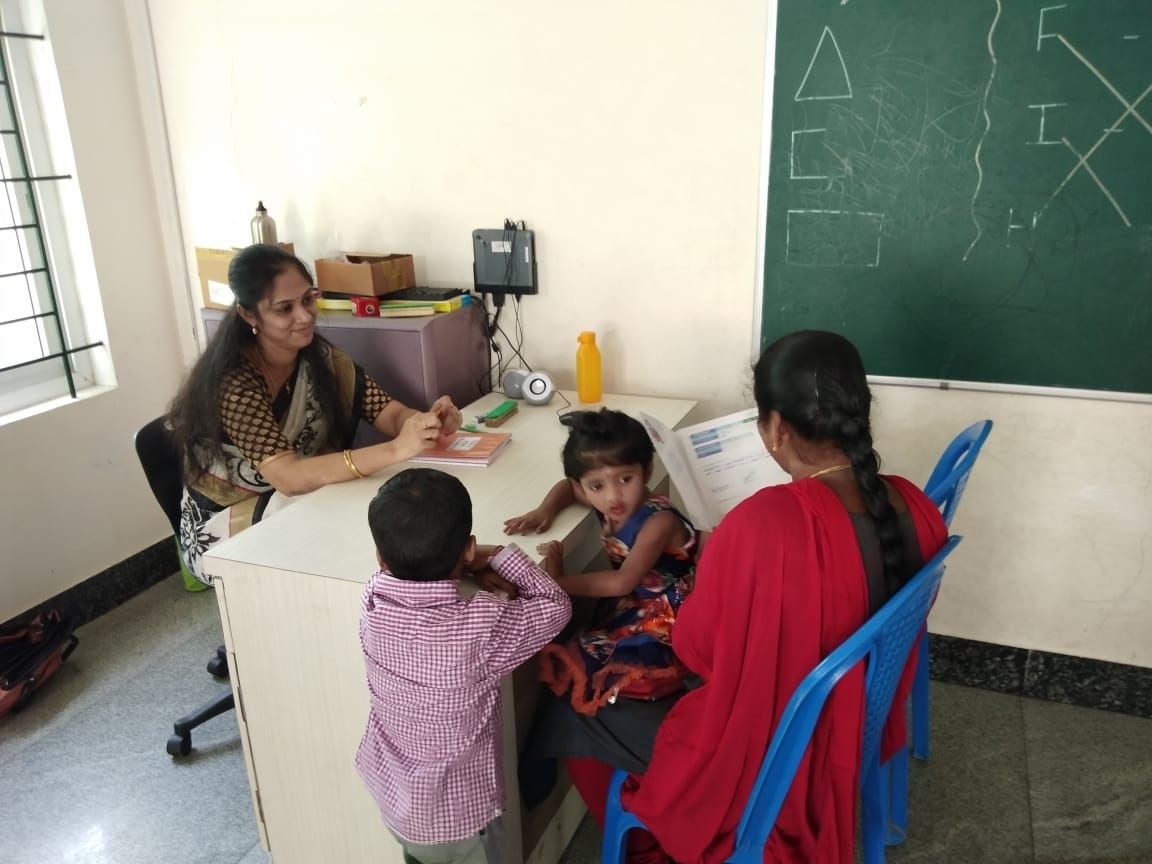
[(160, 459)]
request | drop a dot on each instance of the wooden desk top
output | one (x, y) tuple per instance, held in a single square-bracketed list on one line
[(325, 533)]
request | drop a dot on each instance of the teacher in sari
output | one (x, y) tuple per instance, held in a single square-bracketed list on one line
[(270, 409)]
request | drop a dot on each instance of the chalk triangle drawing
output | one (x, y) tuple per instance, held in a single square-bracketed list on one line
[(831, 81)]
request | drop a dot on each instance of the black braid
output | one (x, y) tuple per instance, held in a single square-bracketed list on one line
[(856, 440)]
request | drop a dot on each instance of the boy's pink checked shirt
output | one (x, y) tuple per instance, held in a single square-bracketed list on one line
[(431, 752)]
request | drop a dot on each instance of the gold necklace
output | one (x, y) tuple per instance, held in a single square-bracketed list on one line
[(828, 470)]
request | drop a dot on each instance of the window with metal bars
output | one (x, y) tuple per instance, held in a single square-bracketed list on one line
[(51, 323)]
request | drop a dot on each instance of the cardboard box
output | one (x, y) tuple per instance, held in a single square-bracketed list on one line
[(212, 268), (365, 274)]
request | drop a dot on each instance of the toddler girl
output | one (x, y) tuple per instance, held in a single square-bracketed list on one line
[(626, 651)]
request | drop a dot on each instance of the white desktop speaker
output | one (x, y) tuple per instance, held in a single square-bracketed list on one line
[(535, 388)]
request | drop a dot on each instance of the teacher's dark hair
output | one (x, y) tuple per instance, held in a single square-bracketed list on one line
[(194, 414), (816, 381), (421, 520)]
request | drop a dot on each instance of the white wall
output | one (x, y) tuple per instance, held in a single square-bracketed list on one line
[(629, 136), (72, 498)]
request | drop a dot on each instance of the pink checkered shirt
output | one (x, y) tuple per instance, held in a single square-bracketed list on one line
[(431, 752)]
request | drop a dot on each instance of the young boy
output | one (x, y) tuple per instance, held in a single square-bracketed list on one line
[(434, 663)]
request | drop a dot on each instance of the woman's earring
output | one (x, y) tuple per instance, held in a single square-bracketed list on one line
[(254, 330)]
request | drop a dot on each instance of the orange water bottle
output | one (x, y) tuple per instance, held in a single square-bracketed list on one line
[(588, 386)]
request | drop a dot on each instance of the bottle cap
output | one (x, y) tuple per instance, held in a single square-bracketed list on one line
[(260, 207), (586, 337)]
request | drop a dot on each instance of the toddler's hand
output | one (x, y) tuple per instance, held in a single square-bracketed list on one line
[(553, 552), (537, 521)]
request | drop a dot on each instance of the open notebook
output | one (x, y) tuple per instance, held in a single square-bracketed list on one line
[(466, 448), (715, 465)]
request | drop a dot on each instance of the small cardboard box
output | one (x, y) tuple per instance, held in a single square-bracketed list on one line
[(365, 274), (212, 268)]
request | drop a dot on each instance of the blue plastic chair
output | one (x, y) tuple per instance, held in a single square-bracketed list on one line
[(885, 641), (944, 487)]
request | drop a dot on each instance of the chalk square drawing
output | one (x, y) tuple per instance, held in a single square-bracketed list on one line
[(805, 143), (831, 80), (833, 238)]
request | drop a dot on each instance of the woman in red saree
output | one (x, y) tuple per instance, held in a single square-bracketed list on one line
[(787, 576)]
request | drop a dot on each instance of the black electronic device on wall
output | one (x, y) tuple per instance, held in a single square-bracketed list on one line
[(504, 260)]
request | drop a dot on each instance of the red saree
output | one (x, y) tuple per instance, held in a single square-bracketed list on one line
[(780, 584)]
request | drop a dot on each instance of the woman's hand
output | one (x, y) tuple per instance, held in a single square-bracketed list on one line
[(553, 552), (418, 433), (538, 520), (448, 414)]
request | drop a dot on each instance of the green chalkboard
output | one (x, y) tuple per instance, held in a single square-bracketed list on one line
[(964, 189)]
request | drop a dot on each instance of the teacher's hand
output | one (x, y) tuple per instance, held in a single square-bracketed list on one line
[(448, 413), (418, 433)]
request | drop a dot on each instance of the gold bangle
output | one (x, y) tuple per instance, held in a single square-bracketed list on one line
[(352, 465)]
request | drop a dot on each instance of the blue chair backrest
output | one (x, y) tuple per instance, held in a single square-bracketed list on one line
[(950, 475), (885, 641)]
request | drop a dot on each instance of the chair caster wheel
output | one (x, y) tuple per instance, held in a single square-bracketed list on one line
[(179, 745), (218, 667)]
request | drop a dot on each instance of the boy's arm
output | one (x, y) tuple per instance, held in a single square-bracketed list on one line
[(561, 495), (533, 619)]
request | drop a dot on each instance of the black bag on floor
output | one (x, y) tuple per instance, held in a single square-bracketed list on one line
[(30, 654)]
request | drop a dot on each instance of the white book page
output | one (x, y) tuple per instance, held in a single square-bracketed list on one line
[(675, 459), (729, 461)]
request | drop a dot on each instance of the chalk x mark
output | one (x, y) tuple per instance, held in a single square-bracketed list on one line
[(827, 34), (1040, 34), (1106, 83), (983, 135), (1083, 160), (1131, 109)]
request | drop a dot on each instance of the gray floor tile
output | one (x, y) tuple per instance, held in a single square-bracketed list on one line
[(1091, 778), (256, 856), (95, 784), (585, 845), (969, 802)]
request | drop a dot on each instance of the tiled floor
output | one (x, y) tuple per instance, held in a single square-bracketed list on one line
[(84, 778)]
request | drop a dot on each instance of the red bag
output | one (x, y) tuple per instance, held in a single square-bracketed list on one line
[(30, 654)]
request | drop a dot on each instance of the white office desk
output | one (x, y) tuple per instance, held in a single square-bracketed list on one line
[(289, 593)]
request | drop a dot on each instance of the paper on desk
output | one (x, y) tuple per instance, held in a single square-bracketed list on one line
[(716, 464)]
